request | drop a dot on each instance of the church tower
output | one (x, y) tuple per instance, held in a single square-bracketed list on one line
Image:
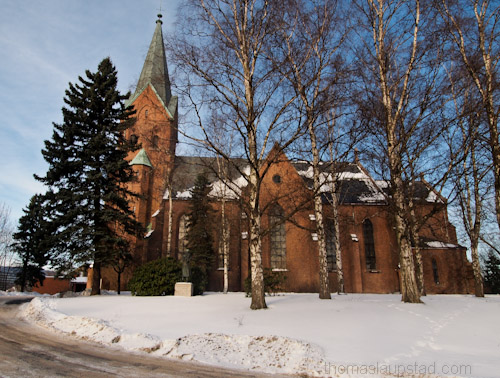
[(155, 130)]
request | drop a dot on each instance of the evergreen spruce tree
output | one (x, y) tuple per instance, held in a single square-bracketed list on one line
[(492, 273), (88, 200), (32, 243), (199, 235)]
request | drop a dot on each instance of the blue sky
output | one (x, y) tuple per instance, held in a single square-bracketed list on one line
[(44, 45)]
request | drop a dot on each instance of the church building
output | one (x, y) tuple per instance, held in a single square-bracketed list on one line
[(367, 239)]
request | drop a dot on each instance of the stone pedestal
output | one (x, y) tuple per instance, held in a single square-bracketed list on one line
[(183, 289)]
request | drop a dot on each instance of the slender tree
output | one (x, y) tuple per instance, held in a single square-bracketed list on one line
[(200, 228), (121, 261), (307, 53), (398, 100), (87, 198), (7, 253), (473, 28), (221, 48), (472, 177), (32, 242)]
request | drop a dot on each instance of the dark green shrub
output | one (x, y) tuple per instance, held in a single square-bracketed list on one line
[(273, 282), (157, 277)]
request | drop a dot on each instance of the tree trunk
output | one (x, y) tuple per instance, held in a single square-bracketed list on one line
[(336, 229), (96, 279), (476, 266), (324, 285), (119, 282), (258, 290), (225, 241), (23, 273), (170, 221), (418, 252), (409, 287)]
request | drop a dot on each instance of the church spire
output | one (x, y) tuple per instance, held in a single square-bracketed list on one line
[(155, 70)]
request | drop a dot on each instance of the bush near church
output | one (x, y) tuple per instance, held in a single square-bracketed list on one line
[(157, 277)]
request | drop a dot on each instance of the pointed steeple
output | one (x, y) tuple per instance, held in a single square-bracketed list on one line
[(155, 70)]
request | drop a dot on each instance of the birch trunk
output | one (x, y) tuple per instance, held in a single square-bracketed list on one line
[(170, 221), (418, 252), (394, 102), (476, 266), (324, 285), (225, 241), (257, 275), (336, 229), (472, 215), (335, 210), (409, 287)]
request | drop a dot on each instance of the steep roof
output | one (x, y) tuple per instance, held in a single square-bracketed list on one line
[(353, 186), (188, 167), (141, 159), (155, 71)]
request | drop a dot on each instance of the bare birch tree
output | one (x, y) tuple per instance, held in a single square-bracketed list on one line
[(471, 178), (307, 54), (399, 96), (473, 27), (7, 253), (220, 47)]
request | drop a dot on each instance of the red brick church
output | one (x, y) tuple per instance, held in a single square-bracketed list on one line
[(368, 243)]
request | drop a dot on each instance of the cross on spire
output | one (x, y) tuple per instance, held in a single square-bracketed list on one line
[(159, 10)]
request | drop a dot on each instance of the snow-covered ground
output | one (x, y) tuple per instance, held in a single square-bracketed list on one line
[(14, 293), (449, 335)]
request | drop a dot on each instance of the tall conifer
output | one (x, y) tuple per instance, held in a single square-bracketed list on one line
[(32, 243), (87, 172), (199, 236)]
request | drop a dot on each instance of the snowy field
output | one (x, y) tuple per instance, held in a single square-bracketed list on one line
[(351, 335)]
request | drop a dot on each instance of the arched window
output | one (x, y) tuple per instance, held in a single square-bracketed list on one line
[(435, 271), (183, 229), (154, 141), (331, 255), (277, 239), (371, 261)]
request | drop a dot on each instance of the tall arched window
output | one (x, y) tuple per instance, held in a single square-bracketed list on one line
[(331, 255), (435, 271), (277, 239), (371, 261), (182, 242), (154, 141)]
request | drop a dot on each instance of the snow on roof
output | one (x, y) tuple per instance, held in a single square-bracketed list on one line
[(79, 280), (440, 244)]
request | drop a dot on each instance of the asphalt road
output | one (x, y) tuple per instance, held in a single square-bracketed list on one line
[(30, 351)]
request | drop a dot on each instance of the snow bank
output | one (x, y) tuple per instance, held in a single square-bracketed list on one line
[(271, 354), (15, 293), (351, 335), (42, 312)]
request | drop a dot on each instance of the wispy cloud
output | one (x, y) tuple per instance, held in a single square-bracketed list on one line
[(45, 45)]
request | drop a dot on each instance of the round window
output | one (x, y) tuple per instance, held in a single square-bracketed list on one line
[(277, 179)]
